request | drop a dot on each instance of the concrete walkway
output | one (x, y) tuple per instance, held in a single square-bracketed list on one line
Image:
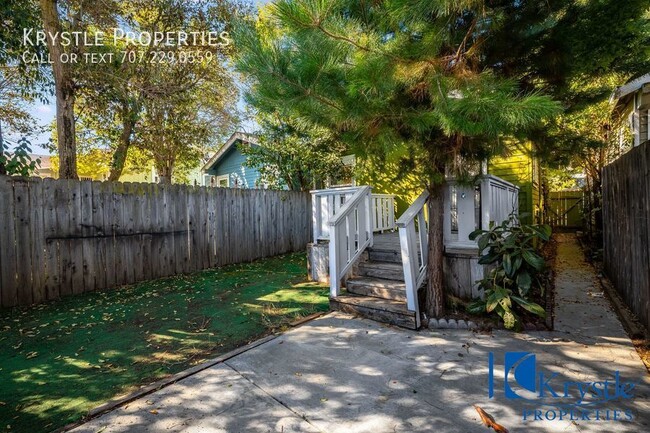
[(342, 374)]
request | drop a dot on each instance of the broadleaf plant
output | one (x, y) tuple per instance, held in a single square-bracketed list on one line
[(513, 251)]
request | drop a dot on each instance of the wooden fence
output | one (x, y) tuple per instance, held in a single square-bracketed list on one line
[(564, 209), (626, 228), (61, 237)]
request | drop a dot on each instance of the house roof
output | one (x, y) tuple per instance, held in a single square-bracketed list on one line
[(46, 160), (237, 136), (630, 87)]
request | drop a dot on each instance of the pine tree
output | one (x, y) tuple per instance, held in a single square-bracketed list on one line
[(390, 77)]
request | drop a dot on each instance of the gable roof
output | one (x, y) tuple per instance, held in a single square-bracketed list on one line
[(630, 87), (237, 136)]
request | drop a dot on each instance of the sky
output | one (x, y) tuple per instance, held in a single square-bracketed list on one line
[(46, 113)]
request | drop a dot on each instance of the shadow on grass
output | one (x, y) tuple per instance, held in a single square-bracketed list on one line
[(60, 359)]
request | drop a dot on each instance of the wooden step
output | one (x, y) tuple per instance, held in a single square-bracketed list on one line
[(384, 255), (377, 287), (386, 270), (380, 310)]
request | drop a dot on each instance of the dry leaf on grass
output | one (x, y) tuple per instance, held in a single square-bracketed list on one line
[(489, 421)]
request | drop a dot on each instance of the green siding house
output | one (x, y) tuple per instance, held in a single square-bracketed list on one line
[(226, 169), (522, 169)]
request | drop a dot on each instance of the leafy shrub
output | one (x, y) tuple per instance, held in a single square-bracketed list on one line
[(19, 162), (513, 250)]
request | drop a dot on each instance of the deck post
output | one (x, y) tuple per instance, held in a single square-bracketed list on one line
[(335, 282), (369, 213), (486, 201), (316, 216), (466, 213)]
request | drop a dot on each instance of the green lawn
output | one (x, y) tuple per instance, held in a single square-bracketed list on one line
[(60, 359)]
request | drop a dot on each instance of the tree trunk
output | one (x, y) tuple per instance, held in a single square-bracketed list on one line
[(64, 85), (165, 170), (3, 169), (435, 299), (119, 157)]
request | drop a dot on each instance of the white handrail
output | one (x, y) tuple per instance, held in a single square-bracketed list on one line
[(413, 210), (328, 191), (326, 203), (414, 253), (350, 234), (383, 212)]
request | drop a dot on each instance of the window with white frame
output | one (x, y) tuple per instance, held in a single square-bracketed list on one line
[(223, 181)]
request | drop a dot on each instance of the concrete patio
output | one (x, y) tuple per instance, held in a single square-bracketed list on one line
[(343, 374)]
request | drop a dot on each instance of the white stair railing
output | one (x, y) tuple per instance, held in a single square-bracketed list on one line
[(499, 198), (414, 241), (350, 233), (383, 212), (327, 202)]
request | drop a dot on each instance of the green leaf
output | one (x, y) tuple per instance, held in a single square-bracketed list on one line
[(543, 231), (475, 234), (524, 282), (496, 297), (533, 259), (516, 263), (530, 306), (483, 242), (476, 307), (510, 265), (507, 264), (509, 320), (488, 259), (492, 301)]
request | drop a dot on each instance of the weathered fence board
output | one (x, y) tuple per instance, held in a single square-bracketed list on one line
[(565, 208), (626, 228), (62, 237), (8, 241)]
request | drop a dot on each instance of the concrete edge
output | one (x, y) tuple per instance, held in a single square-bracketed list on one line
[(308, 318), (155, 386), (635, 330)]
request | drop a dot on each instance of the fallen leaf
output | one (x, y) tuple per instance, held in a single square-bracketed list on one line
[(153, 411), (489, 421)]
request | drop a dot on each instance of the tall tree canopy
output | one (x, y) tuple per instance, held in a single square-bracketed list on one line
[(388, 76), (579, 52), (294, 155), (70, 16), (20, 82), (173, 102)]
